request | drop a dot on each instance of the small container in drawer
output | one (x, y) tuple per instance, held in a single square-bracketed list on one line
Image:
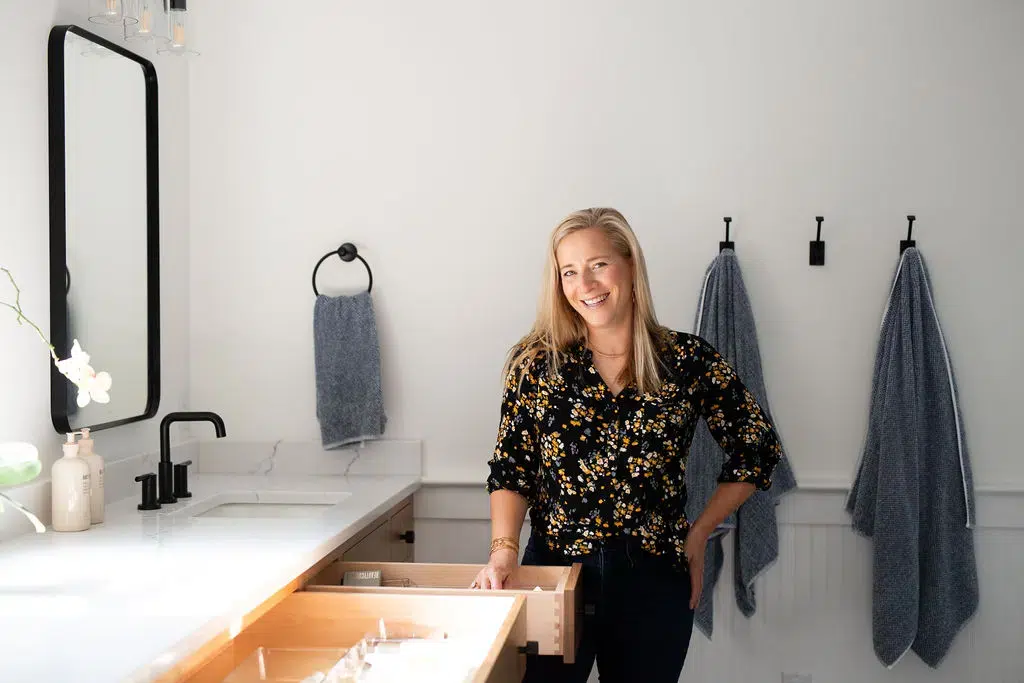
[(553, 594), (284, 664)]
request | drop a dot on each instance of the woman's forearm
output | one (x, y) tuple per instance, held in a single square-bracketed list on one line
[(508, 510), (725, 500)]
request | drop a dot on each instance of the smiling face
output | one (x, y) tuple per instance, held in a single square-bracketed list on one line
[(597, 280)]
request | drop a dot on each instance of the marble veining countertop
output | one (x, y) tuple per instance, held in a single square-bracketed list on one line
[(138, 593)]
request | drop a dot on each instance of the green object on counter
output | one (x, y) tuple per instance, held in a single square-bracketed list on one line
[(12, 475), (19, 463)]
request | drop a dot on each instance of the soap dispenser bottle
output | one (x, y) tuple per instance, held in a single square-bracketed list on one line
[(95, 463), (70, 490)]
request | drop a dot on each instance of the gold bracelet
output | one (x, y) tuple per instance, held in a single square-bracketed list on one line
[(505, 542)]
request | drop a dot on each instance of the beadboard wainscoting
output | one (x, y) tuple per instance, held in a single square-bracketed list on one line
[(814, 604)]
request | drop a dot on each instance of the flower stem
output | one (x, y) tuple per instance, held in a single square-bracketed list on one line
[(16, 307), (23, 510)]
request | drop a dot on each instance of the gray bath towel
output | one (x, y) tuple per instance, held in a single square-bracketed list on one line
[(349, 400), (726, 320), (913, 492)]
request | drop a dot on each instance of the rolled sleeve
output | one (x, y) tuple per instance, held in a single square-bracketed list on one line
[(514, 464), (739, 425)]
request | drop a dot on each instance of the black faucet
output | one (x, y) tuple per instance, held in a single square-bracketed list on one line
[(165, 469)]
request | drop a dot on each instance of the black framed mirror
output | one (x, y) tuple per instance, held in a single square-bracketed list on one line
[(104, 226)]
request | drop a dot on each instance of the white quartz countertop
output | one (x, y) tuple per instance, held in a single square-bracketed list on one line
[(132, 596)]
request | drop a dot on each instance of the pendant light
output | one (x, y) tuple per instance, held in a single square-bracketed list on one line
[(144, 20), (178, 32), (106, 11)]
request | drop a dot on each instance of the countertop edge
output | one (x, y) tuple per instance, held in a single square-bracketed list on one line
[(197, 639)]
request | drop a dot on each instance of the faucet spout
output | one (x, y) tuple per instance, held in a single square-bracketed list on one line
[(187, 416), (165, 468)]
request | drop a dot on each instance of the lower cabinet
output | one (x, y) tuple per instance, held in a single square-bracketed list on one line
[(539, 611), (390, 539)]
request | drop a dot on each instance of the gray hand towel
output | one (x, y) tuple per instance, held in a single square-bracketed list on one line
[(726, 320), (913, 492), (349, 400)]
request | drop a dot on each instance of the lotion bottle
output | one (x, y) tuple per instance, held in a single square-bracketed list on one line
[(95, 463), (69, 476)]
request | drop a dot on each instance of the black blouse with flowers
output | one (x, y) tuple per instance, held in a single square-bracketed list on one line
[(593, 465)]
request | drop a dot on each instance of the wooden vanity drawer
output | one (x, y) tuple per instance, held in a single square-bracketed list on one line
[(495, 624), (553, 613)]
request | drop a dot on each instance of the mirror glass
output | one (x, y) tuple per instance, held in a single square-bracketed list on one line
[(104, 226)]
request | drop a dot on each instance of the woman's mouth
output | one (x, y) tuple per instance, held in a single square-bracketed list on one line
[(596, 301)]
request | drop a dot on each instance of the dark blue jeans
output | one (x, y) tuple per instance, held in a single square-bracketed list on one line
[(637, 621)]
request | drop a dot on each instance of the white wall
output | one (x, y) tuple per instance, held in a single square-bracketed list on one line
[(24, 241), (445, 139)]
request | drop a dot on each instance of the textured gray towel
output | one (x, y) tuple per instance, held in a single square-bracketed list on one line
[(349, 400), (913, 492), (726, 320)]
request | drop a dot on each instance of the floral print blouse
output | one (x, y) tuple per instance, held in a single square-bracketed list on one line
[(593, 465)]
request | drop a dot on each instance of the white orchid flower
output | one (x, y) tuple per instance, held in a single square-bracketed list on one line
[(95, 386), (73, 367), (92, 385)]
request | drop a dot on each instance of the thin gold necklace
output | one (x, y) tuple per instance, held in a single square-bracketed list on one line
[(608, 355)]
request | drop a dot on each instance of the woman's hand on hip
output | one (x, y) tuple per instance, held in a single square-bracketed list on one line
[(694, 546), (499, 567)]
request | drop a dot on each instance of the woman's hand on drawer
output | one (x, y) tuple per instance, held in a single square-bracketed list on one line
[(500, 566)]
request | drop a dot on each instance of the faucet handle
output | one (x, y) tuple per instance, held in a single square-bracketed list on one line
[(181, 480), (149, 501)]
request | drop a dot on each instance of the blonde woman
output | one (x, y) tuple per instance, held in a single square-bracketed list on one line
[(599, 409)]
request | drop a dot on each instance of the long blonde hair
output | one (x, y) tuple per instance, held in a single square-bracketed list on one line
[(558, 325)]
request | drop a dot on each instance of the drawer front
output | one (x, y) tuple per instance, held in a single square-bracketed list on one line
[(492, 626), (553, 613), (373, 546)]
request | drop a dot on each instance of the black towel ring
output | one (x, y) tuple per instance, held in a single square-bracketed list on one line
[(345, 252)]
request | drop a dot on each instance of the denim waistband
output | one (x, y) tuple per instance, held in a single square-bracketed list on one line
[(609, 550)]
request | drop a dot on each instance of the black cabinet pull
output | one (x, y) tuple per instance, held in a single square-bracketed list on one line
[(407, 536)]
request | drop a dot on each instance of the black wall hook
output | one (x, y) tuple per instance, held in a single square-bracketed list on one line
[(909, 242), (346, 252), (817, 246), (722, 246)]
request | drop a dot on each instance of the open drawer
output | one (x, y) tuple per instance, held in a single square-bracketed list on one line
[(554, 596), (311, 629)]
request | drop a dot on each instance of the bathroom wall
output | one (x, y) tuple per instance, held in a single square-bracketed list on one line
[(24, 243), (446, 139)]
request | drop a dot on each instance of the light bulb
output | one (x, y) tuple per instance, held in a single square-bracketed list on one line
[(178, 32), (147, 18), (105, 11)]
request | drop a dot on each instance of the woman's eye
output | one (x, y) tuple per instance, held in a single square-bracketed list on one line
[(567, 273), (599, 264)]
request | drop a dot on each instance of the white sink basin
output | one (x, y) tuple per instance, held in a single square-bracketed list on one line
[(262, 505)]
